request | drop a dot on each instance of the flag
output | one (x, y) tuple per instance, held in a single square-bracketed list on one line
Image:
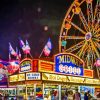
[(27, 48), (17, 57), (22, 45), (11, 50), (19, 54), (47, 48)]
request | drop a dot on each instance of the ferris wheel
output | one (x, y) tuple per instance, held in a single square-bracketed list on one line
[(80, 31)]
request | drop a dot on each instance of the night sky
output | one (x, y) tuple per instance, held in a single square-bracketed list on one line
[(34, 20)]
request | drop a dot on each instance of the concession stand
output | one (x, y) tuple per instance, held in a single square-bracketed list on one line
[(40, 79)]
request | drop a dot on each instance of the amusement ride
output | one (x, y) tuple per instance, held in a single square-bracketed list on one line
[(80, 32)]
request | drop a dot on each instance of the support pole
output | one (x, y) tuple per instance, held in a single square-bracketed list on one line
[(59, 91), (34, 91), (43, 91), (26, 93)]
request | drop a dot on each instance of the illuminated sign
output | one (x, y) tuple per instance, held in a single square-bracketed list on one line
[(16, 78), (13, 78), (26, 65), (83, 89), (33, 76), (21, 77), (46, 66), (13, 66), (35, 65), (76, 79), (88, 73), (96, 81), (92, 81), (67, 63), (54, 77)]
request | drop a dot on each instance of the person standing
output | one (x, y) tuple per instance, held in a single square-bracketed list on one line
[(77, 96), (86, 96), (0, 96)]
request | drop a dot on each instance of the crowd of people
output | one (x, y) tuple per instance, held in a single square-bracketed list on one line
[(69, 95), (77, 96)]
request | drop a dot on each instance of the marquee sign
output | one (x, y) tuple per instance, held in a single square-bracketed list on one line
[(26, 65), (76, 79), (67, 63), (54, 77), (17, 78), (46, 66), (92, 81), (33, 76)]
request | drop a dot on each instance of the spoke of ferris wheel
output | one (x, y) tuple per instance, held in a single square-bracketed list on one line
[(84, 21), (97, 35), (77, 27), (83, 54), (97, 15), (75, 47), (94, 55), (97, 39), (97, 9), (73, 37), (97, 31), (97, 25), (94, 48), (82, 2), (82, 49), (97, 45), (90, 14), (89, 55)]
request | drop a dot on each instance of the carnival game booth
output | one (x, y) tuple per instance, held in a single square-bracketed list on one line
[(41, 79), (6, 90)]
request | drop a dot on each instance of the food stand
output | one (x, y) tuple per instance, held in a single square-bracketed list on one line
[(42, 78)]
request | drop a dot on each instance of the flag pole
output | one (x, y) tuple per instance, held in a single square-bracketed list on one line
[(41, 53), (31, 55), (26, 55), (9, 56)]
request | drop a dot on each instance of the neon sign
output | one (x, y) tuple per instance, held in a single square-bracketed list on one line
[(26, 65), (45, 66), (67, 63)]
